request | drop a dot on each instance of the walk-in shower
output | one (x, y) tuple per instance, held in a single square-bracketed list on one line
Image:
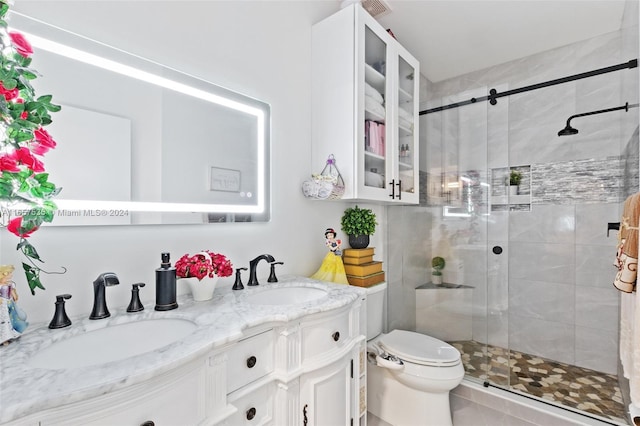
[(528, 299)]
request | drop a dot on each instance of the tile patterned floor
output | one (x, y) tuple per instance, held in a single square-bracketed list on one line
[(580, 388)]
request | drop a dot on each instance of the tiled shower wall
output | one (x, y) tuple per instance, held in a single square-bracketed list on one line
[(549, 293)]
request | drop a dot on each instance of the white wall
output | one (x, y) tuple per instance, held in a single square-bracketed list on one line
[(258, 48)]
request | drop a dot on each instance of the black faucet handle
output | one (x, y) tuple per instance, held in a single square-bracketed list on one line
[(60, 318), (135, 305), (238, 284), (272, 275)]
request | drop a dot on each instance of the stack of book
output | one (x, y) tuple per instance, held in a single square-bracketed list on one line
[(361, 269)]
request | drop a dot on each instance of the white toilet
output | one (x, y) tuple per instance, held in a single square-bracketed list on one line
[(409, 375)]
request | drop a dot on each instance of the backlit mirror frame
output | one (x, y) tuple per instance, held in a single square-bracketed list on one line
[(79, 48)]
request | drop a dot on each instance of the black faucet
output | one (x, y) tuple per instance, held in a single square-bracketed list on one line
[(254, 264), (106, 279), (135, 305), (60, 318)]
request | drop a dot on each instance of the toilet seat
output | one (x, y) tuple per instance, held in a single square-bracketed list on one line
[(419, 349)]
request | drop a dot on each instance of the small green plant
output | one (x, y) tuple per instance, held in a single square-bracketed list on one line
[(356, 221), (515, 177), (437, 263)]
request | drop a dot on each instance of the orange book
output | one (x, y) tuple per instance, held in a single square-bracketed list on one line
[(367, 281), (364, 269)]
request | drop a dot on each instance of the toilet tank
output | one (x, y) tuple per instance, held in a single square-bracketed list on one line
[(375, 309)]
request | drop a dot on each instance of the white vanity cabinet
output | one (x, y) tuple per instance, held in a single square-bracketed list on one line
[(275, 373), (365, 96)]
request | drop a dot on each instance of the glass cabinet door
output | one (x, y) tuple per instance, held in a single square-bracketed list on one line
[(375, 111), (407, 130)]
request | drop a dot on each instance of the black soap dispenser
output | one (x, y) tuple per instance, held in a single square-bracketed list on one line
[(166, 285)]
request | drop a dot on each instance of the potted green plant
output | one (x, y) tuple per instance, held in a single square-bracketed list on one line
[(358, 224), (515, 177), (437, 263)]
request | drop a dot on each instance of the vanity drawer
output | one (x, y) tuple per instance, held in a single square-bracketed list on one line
[(325, 335), (249, 359), (255, 408)]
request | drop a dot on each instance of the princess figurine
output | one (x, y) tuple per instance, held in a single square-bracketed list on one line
[(12, 318), (332, 267)]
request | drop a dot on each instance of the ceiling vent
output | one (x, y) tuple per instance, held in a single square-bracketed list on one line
[(376, 8)]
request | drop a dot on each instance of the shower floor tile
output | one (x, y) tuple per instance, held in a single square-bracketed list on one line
[(576, 387)]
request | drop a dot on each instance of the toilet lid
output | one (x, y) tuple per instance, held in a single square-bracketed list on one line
[(419, 348)]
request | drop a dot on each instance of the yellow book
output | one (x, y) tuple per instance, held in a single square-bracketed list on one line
[(363, 270), (358, 252), (357, 260)]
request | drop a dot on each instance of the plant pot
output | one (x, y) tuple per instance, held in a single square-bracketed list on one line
[(436, 279), (513, 189), (359, 241), (202, 290)]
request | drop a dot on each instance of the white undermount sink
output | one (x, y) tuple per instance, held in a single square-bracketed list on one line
[(291, 295), (112, 343)]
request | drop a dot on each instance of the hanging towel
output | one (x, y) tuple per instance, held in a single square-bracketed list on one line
[(627, 250), (630, 348), (625, 281)]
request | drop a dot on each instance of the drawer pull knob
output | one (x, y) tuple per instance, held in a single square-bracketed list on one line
[(251, 413), (336, 336), (148, 423), (251, 361)]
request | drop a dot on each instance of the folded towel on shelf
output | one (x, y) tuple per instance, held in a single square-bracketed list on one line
[(627, 250), (373, 106), (405, 124), (369, 90), (405, 115)]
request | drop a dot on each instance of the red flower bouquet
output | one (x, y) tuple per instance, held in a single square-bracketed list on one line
[(26, 194), (203, 264)]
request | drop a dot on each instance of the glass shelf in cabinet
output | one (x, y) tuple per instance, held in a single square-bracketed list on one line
[(372, 116)]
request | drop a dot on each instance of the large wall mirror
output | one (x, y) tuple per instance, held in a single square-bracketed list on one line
[(141, 143)]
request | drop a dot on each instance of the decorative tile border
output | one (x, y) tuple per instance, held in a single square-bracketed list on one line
[(605, 180)]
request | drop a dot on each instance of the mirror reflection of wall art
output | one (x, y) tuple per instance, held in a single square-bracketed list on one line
[(225, 179)]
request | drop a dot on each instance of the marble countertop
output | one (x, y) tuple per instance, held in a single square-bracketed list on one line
[(223, 319)]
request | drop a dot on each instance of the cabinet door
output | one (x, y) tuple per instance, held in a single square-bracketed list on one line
[(326, 396), (374, 90), (406, 93), (178, 401)]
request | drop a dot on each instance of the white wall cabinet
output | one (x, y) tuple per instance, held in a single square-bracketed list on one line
[(365, 96), (272, 376)]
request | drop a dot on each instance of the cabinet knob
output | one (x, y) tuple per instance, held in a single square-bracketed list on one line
[(336, 336), (251, 361), (148, 423), (251, 413)]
